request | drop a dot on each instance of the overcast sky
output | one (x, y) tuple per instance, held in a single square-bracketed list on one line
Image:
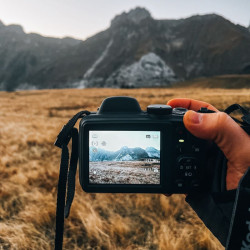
[(84, 18), (115, 140)]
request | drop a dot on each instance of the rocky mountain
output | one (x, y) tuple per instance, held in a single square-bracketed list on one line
[(135, 51), (153, 152), (123, 154), (22, 55)]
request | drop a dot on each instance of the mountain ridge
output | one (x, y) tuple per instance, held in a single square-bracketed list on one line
[(135, 51), (123, 154)]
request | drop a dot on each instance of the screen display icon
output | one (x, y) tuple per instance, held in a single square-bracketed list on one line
[(95, 143)]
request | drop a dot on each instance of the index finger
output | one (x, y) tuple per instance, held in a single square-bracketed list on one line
[(190, 104)]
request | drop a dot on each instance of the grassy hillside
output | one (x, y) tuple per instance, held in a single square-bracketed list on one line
[(29, 163), (222, 81)]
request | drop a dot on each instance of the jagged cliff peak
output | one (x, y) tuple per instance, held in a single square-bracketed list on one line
[(135, 16), (12, 27), (15, 28)]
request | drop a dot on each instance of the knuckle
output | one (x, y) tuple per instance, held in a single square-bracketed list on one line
[(219, 127), (222, 118)]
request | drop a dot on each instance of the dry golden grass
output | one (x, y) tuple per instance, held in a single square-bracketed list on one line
[(221, 81), (29, 163)]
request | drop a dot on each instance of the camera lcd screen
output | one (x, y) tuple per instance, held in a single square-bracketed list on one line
[(124, 157)]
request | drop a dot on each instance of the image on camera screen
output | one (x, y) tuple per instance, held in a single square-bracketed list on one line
[(124, 157)]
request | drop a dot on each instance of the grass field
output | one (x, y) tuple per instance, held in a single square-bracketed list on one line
[(29, 163), (125, 172)]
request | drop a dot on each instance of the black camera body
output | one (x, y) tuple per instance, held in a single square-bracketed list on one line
[(123, 149)]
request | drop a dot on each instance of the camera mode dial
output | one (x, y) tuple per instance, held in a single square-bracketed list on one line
[(159, 109), (179, 111)]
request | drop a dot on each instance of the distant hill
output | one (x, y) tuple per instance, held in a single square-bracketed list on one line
[(135, 51), (22, 56), (222, 81)]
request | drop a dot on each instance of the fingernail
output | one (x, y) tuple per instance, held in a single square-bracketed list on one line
[(194, 117)]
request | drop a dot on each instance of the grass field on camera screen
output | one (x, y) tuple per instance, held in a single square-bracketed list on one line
[(124, 157)]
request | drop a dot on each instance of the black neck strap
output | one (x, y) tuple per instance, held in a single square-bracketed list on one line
[(239, 230), (68, 131)]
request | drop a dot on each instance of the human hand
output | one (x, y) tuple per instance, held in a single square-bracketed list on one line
[(224, 131)]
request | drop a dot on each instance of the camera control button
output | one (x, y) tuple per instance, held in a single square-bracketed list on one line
[(179, 111), (181, 167), (180, 148), (187, 167), (195, 184), (196, 149), (189, 174), (179, 183), (187, 160), (159, 109)]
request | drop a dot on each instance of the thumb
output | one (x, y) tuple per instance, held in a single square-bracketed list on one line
[(224, 131)]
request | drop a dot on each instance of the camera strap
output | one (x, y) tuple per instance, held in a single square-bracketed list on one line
[(66, 177), (239, 230), (245, 123)]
